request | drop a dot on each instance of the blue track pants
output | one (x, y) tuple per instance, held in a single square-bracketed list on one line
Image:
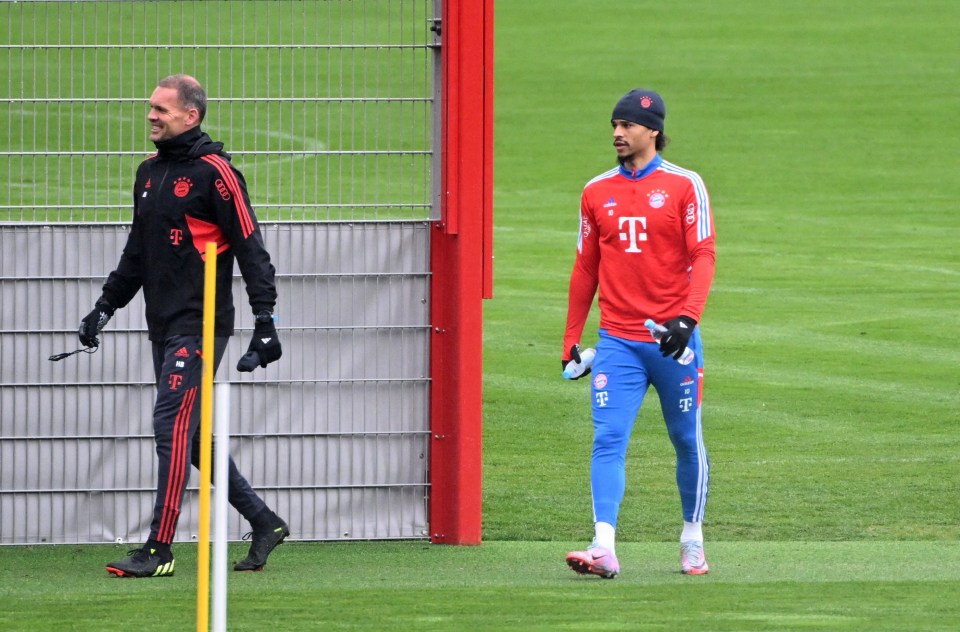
[(623, 370)]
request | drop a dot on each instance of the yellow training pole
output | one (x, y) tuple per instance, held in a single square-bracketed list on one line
[(206, 437)]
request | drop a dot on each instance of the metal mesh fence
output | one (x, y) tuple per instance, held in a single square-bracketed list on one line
[(326, 106)]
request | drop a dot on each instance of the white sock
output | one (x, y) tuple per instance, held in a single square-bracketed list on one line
[(606, 535), (692, 531)]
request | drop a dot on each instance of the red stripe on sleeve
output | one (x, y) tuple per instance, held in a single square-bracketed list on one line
[(233, 186)]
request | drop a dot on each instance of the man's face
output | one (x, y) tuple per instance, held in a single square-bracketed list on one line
[(633, 140), (168, 117)]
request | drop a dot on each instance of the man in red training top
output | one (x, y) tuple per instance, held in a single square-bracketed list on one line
[(647, 242)]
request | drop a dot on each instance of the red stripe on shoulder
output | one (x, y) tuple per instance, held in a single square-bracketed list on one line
[(232, 188)]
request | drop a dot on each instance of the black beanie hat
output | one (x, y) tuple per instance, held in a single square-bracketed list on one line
[(641, 106)]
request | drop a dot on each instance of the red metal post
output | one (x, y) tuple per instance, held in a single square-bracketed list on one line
[(461, 265)]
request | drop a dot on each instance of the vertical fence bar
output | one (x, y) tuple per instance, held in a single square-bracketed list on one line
[(458, 270)]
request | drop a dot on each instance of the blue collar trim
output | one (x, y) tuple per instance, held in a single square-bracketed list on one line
[(642, 173)]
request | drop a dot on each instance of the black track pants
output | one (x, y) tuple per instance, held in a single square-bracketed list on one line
[(176, 423)]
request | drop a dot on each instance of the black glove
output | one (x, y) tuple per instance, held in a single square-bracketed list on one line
[(575, 356), (265, 346), (93, 323), (677, 335)]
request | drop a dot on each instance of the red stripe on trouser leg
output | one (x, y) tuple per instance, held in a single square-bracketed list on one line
[(177, 473), (699, 387), (178, 469)]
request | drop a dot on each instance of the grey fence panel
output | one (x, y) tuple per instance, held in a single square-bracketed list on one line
[(334, 435), (330, 111)]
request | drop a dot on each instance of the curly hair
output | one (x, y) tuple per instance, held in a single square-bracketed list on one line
[(661, 142)]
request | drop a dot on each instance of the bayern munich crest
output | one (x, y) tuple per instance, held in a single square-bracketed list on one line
[(600, 380), (181, 187), (657, 199)]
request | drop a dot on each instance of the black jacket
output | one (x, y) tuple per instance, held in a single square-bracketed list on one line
[(185, 195)]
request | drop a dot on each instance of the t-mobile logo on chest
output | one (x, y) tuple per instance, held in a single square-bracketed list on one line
[(635, 232)]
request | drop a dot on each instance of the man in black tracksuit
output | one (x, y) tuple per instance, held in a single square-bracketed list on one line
[(186, 195)]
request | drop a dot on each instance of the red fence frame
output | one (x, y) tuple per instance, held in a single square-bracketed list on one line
[(461, 262)]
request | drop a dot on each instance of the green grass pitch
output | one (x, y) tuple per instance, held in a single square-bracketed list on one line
[(826, 133)]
